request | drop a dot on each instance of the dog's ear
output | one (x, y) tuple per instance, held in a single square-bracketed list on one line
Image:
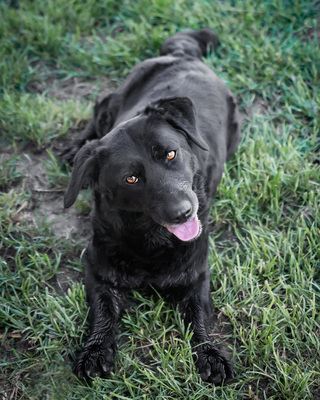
[(180, 113), (85, 172)]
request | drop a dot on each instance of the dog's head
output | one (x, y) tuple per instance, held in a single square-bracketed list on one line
[(147, 164)]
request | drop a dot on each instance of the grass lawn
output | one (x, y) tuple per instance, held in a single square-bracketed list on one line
[(56, 57)]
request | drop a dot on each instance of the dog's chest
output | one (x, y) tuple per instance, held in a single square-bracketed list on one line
[(130, 266)]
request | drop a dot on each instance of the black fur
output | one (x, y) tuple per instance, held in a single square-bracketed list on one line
[(172, 106)]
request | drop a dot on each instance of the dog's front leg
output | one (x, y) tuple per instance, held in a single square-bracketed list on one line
[(97, 357), (213, 365), (71, 148)]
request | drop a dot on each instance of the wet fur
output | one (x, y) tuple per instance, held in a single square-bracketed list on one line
[(176, 99)]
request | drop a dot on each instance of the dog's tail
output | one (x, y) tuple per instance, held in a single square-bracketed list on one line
[(190, 42)]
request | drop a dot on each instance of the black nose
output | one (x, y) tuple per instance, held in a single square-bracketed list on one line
[(182, 212)]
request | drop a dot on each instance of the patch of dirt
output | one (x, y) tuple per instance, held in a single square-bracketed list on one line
[(258, 107), (47, 202), (6, 152), (46, 206), (296, 212), (8, 389), (223, 233), (316, 393), (64, 279), (9, 382), (311, 34), (76, 87)]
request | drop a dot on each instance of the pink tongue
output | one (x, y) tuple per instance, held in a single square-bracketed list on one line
[(187, 231)]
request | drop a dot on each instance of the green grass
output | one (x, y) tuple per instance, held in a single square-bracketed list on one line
[(265, 243)]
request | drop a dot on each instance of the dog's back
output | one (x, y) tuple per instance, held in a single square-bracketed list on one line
[(179, 71)]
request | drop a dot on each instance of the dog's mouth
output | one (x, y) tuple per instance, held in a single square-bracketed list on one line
[(186, 231)]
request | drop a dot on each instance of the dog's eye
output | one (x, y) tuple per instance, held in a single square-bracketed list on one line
[(171, 155), (132, 179)]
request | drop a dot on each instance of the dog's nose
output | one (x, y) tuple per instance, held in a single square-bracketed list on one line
[(182, 212)]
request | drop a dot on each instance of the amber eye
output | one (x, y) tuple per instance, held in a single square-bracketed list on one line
[(171, 155), (132, 179)]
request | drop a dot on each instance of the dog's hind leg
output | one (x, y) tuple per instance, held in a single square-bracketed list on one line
[(195, 43)]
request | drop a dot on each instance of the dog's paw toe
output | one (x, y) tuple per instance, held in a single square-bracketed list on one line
[(68, 154), (213, 366), (94, 360)]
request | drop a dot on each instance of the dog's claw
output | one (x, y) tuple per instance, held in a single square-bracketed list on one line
[(88, 371), (79, 374), (105, 367), (205, 374)]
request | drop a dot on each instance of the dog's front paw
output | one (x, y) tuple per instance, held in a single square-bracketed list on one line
[(213, 366), (70, 150), (96, 359)]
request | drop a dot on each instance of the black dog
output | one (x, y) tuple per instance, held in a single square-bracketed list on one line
[(162, 139)]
